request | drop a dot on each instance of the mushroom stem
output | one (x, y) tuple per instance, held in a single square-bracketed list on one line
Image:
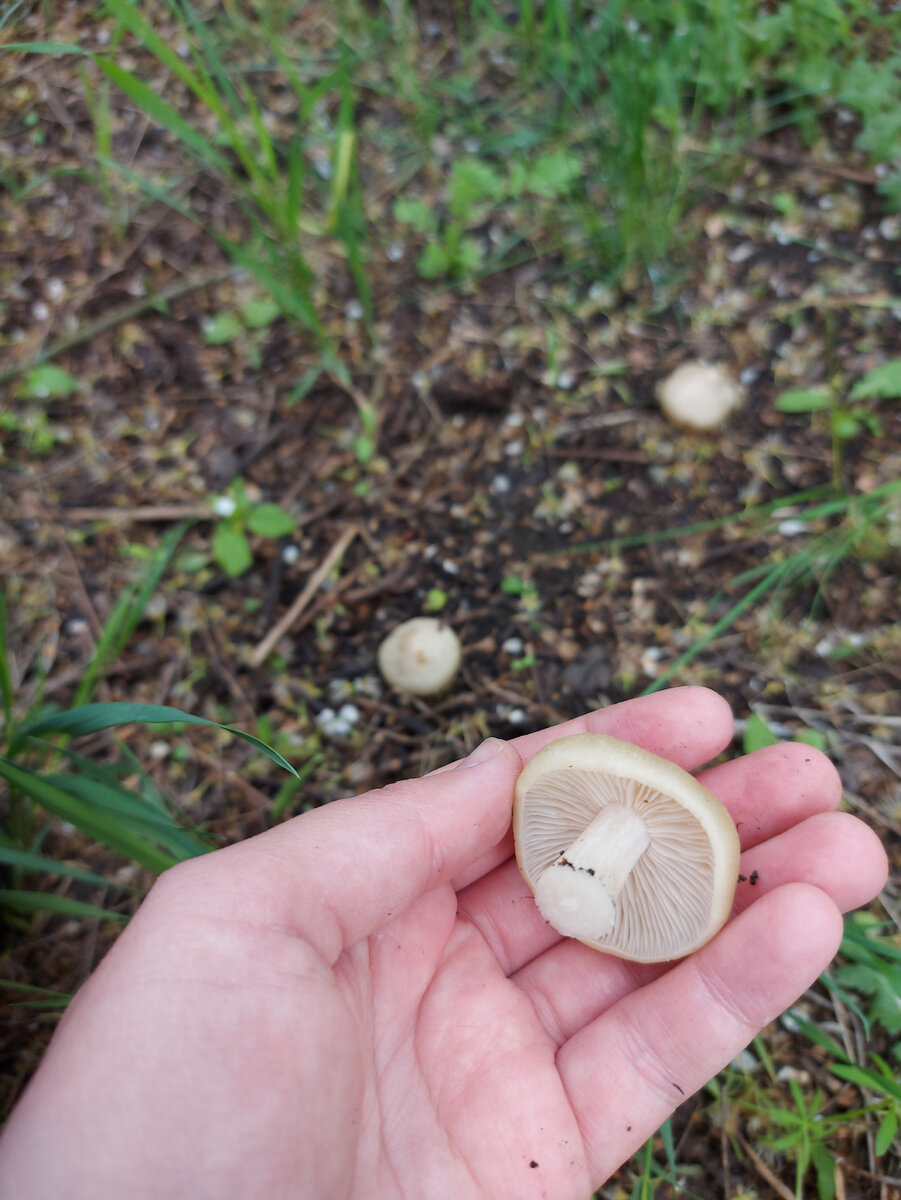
[(577, 893)]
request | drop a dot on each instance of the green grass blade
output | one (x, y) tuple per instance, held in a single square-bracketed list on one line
[(153, 105), (43, 997), (130, 812), (91, 718), (127, 614), (771, 580), (6, 687), (130, 18), (88, 818), (46, 48), (26, 860), (51, 903)]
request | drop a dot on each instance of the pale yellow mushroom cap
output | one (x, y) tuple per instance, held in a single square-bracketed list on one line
[(421, 656), (656, 872), (699, 396)]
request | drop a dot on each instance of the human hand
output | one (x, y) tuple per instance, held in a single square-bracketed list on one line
[(365, 1000)]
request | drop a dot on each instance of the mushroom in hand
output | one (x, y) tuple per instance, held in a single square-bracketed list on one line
[(624, 850)]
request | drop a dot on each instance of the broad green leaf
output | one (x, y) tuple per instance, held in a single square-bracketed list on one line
[(269, 520), (412, 211), (49, 902), (91, 718), (883, 984), (231, 550), (47, 382), (885, 1135), (260, 312), (824, 1164), (471, 183), (867, 1080), (804, 400), (435, 600), (844, 424), (433, 261), (469, 256), (222, 328), (757, 734), (882, 383), (813, 737), (554, 174), (363, 447), (28, 861)]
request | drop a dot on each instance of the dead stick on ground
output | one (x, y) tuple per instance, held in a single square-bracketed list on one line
[(763, 1170), (110, 320), (150, 512), (265, 647)]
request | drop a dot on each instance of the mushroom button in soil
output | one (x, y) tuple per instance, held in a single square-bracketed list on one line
[(624, 850)]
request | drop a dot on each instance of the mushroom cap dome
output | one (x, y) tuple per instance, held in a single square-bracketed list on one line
[(680, 891), (421, 656), (698, 395)]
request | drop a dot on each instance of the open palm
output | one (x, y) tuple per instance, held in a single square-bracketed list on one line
[(366, 1002)]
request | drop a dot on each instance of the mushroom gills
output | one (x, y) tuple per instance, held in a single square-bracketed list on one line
[(577, 893)]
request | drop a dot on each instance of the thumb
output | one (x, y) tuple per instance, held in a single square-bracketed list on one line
[(339, 873)]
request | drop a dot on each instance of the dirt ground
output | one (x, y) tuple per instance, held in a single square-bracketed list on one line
[(520, 458)]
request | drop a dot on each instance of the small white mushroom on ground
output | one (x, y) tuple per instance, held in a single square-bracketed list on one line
[(699, 396), (421, 656)]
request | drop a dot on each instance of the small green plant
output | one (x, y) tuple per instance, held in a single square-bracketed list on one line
[(758, 734), (239, 516), (435, 601), (473, 188), (29, 420), (848, 413)]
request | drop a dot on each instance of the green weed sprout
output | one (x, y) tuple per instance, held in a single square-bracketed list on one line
[(237, 516)]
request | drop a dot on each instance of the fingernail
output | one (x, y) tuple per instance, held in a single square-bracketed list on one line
[(482, 753)]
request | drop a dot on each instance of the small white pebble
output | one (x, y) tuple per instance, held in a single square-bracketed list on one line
[(159, 749), (40, 311), (450, 568), (75, 627), (54, 290), (500, 484), (792, 528), (514, 449), (430, 552), (290, 555), (650, 661), (513, 645), (353, 310), (349, 713), (517, 716), (339, 689), (745, 1061), (566, 380), (224, 506), (395, 252), (515, 420), (749, 375)]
